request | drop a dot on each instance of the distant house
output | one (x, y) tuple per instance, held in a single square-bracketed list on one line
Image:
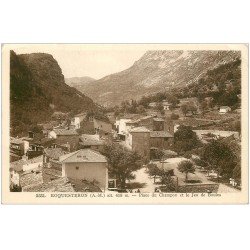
[(122, 128), (102, 127), (86, 165), (51, 156), (91, 141), (81, 116), (64, 136), (152, 104), (224, 109), (75, 122), (161, 139), (38, 145), (52, 167), (166, 105), (26, 164), (18, 148), (139, 141)]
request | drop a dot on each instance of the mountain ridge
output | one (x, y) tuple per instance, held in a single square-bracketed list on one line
[(156, 71), (37, 89)]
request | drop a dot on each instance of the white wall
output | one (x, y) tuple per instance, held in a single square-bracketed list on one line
[(31, 166), (87, 170), (52, 134), (123, 129)]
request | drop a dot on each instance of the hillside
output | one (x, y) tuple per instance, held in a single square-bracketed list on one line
[(222, 84), (156, 71), (79, 82), (37, 89)]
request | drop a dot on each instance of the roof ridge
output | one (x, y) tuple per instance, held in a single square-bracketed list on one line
[(64, 157)]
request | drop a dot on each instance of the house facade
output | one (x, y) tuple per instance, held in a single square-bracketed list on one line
[(75, 122), (18, 148), (86, 164), (161, 139), (65, 136), (139, 141), (224, 109)]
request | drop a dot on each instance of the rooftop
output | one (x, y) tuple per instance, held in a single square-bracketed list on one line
[(54, 153), (65, 131), (158, 119), (17, 164), (31, 177), (160, 134), (16, 140), (64, 184), (139, 130), (83, 155), (90, 140), (43, 141)]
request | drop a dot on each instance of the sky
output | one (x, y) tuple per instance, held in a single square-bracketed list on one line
[(95, 61)]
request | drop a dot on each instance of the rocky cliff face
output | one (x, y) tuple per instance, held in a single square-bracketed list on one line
[(156, 71), (37, 89)]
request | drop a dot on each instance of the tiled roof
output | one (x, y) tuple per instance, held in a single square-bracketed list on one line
[(161, 134), (64, 184), (43, 141), (90, 140), (19, 163), (139, 129), (158, 119), (15, 140), (32, 177), (65, 132), (54, 153), (83, 155)]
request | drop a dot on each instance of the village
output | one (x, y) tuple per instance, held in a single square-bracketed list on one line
[(67, 154)]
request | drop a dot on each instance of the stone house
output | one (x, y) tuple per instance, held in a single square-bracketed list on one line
[(64, 136), (18, 148), (161, 139), (86, 165), (91, 141)]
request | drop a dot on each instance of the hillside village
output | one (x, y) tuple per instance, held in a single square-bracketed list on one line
[(181, 140), (69, 154)]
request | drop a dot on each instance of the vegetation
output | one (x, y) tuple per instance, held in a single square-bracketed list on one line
[(164, 175), (222, 85), (185, 140), (186, 167), (220, 157), (122, 162), (37, 90), (153, 170)]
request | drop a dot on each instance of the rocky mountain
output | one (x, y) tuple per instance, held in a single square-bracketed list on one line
[(156, 71), (37, 89), (79, 82)]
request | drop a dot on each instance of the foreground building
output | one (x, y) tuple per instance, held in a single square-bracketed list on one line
[(87, 165)]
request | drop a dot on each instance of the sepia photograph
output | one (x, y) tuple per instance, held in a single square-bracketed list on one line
[(125, 121)]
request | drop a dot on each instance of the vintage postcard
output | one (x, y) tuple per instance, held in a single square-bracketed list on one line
[(124, 124)]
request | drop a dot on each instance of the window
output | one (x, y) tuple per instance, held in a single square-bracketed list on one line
[(77, 168)]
